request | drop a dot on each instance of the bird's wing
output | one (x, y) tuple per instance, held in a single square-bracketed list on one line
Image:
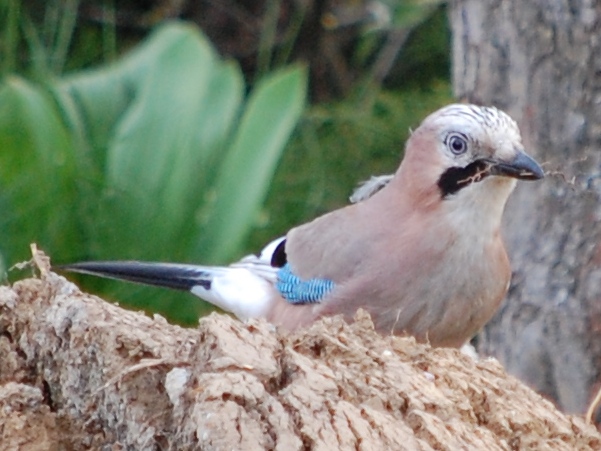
[(310, 290), (336, 248)]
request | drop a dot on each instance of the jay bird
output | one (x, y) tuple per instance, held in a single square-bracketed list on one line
[(420, 250)]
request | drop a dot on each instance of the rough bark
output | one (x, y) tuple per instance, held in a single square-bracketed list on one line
[(540, 61), (79, 373)]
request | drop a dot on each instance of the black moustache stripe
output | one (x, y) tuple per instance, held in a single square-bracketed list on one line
[(454, 179)]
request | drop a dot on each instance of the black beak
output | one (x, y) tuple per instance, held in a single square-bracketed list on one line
[(522, 167)]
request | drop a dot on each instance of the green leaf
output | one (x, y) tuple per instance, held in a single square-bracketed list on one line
[(182, 104), (214, 124), (273, 110), (36, 172), (159, 123)]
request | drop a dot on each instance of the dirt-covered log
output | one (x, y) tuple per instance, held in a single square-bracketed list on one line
[(77, 372)]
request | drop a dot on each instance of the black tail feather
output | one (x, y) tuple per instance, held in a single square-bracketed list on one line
[(169, 275)]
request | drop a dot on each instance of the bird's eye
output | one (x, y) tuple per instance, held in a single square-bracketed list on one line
[(457, 144)]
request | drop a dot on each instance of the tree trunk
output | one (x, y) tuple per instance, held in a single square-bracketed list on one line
[(541, 62)]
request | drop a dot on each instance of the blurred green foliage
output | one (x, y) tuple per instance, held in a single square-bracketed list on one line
[(161, 154), (156, 156)]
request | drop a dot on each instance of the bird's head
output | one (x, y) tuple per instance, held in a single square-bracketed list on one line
[(467, 147)]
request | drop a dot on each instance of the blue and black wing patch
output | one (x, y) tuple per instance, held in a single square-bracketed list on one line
[(298, 291), (292, 288)]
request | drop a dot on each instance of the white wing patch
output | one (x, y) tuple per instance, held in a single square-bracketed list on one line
[(238, 290), (245, 288)]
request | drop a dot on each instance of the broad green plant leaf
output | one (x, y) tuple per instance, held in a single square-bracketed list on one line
[(155, 123), (37, 173), (273, 110), (150, 157)]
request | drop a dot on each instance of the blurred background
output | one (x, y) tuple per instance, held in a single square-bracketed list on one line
[(198, 131)]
